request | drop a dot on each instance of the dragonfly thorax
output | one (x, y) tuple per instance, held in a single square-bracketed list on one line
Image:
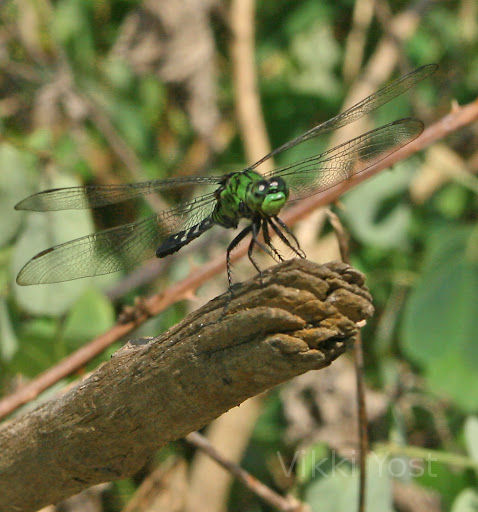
[(249, 195)]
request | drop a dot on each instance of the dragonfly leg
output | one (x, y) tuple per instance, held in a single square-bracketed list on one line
[(268, 241), (268, 248), (286, 228), (281, 224), (256, 228), (251, 258), (230, 248)]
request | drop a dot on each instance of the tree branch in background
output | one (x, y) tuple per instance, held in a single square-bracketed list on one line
[(284, 504), (357, 38), (248, 106), (300, 317)]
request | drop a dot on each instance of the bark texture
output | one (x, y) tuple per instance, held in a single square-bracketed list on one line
[(301, 317)]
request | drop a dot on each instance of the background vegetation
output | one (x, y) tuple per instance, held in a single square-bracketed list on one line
[(118, 91)]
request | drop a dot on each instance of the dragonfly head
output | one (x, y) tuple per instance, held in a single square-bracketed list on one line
[(268, 196)]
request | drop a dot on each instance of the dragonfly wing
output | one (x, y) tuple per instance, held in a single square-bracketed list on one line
[(360, 109), (93, 196), (323, 171), (112, 249)]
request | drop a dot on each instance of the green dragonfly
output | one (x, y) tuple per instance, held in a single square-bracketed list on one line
[(244, 194)]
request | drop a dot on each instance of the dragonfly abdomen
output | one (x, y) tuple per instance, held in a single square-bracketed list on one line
[(174, 242)]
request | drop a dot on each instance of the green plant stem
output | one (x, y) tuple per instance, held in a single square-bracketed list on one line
[(425, 453)]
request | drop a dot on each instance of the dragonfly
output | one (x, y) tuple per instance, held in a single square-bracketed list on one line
[(231, 198)]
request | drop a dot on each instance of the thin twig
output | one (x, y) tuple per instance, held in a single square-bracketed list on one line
[(341, 235), (457, 118), (430, 455), (287, 504), (209, 486), (362, 421)]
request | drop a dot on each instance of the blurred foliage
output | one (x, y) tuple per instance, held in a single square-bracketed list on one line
[(419, 250)]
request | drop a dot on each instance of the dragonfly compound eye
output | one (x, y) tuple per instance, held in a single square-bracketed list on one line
[(277, 185), (260, 189)]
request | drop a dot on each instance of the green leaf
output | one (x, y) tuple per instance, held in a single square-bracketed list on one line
[(442, 478), (125, 115), (8, 340), (453, 376), (308, 460), (72, 26), (119, 73), (451, 201), (68, 20), (317, 53), (466, 501), (306, 15), (128, 119), (14, 184), (153, 99), (43, 230), (441, 316), (363, 206), (338, 491), (40, 346), (471, 436), (91, 315)]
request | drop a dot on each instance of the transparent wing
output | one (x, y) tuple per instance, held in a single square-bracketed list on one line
[(93, 196), (323, 171), (360, 109), (113, 249)]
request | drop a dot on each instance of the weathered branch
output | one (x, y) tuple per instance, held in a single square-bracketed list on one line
[(300, 318)]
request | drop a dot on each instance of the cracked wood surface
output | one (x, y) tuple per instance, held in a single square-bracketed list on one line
[(300, 318)]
